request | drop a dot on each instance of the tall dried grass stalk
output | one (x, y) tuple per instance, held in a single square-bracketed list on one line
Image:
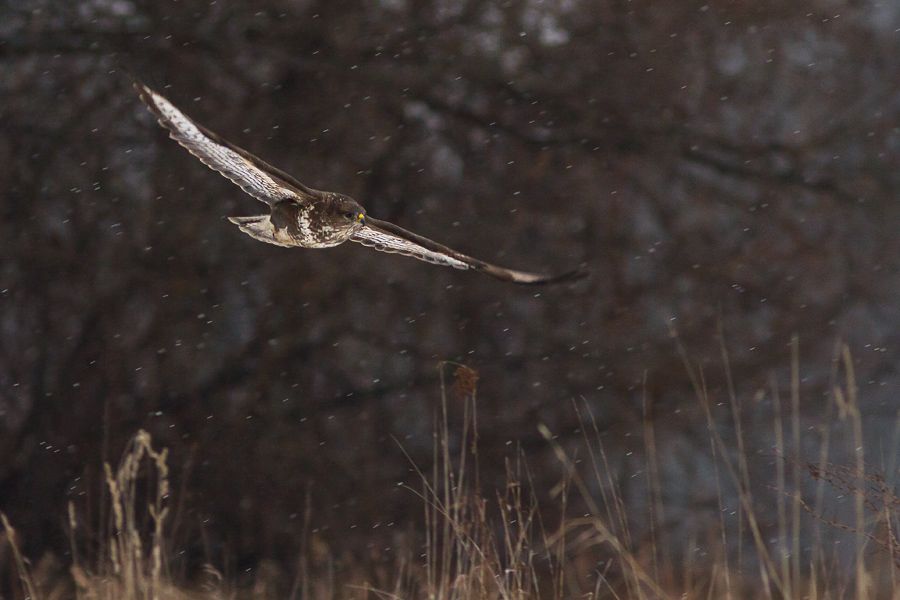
[(21, 565)]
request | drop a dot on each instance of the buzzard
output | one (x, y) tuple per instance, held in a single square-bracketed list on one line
[(305, 217)]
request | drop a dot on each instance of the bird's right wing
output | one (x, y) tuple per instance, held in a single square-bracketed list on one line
[(388, 237), (255, 176)]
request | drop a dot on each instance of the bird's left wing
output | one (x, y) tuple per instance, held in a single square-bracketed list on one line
[(388, 237), (255, 176)]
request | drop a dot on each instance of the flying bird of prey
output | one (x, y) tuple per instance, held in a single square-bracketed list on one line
[(301, 216)]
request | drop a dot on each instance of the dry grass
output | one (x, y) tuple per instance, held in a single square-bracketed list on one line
[(508, 546), (131, 562)]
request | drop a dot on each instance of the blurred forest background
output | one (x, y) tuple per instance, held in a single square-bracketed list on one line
[(729, 170)]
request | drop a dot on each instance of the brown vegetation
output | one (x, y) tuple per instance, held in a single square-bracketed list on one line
[(507, 546)]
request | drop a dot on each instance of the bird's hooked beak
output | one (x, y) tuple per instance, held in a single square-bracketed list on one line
[(361, 218)]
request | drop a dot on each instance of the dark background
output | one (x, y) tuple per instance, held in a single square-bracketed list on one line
[(720, 167)]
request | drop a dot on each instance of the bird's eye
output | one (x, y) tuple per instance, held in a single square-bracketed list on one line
[(348, 215)]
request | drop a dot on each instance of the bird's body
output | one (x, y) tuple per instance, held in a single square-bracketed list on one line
[(300, 216), (316, 224)]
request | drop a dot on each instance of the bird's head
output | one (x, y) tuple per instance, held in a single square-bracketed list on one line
[(348, 211)]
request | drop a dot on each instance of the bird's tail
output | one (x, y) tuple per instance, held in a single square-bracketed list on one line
[(258, 227)]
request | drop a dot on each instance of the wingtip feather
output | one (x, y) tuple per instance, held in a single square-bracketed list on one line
[(150, 97), (525, 278), (568, 276)]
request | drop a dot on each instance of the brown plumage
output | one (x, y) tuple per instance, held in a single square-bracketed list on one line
[(305, 217)]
